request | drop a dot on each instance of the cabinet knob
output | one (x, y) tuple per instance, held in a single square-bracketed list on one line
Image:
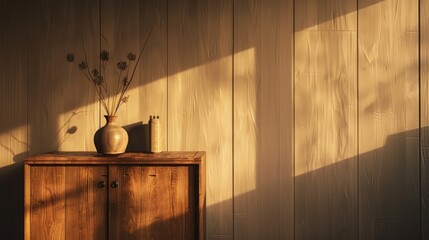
[(101, 184), (114, 184)]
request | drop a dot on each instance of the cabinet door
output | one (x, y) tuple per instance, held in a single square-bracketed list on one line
[(156, 202), (66, 202)]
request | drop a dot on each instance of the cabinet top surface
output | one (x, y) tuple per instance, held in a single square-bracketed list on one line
[(126, 158)]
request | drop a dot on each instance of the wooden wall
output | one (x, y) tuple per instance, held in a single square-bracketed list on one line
[(13, 117), (313, 113)]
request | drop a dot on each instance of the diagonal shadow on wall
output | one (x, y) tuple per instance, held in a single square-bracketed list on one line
[(11, 175), (400, 193)]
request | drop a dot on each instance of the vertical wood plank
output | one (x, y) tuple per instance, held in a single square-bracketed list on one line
[(325, 120), (326, 15), (388, 119), (275, 184), (13, 117), (13, 84), (153, 75), (424, 116), (4, 84), (247, 80), (64, 112), (263, 120), (200, 96), (120, 32)]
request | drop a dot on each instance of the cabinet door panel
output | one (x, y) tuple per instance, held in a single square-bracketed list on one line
[(66, 202), (157, 202)]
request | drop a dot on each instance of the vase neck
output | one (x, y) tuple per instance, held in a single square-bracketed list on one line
[(110, 119)]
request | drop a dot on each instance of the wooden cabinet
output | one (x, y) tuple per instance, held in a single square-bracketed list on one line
[(130, 196)]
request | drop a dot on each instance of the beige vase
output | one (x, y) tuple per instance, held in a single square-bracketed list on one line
[(111, 138)]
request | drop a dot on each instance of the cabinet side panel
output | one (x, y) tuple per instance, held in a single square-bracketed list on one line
[(86, 203), (202, 199), (47, 203), (27, 195), (188, 177)]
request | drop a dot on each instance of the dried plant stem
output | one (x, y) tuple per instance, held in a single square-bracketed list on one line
[(98, 78), (87, 73), (124, 89)]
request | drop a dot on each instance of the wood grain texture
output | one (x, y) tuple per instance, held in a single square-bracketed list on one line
[(275, 185), (202, 195), (163, 196), (120, 36), (27, 202), (13, 83), (153, 75), (114, 203), (220, 237), (263, 120), (237, 111), (200, 96), (388, 120), (65, 202), (325, 122), (13, 117), (85, 203), (314, 15), (247, 119), (424, 117), (47, 217), (93, 158), (4, 87), (64, 112), (154, 199)]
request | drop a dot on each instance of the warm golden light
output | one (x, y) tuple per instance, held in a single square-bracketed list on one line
[(13, 142), (245, 125)]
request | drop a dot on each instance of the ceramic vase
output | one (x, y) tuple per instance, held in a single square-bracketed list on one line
[(111, 138)]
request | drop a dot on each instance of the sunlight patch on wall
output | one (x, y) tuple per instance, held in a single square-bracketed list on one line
[(76, 128), (13, 145), (245, 122), (200, 118), (129, 112), (330, 15)]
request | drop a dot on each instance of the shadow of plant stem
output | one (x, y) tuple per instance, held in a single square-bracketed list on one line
[(70, 129)]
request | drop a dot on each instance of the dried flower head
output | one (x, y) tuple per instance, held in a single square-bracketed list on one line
[(125, 81), (122, 65), (70, 57), (104, 55), (98, 80), (111, 96), (95, 73), (83, 65), (131, 56), (125, 99)]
